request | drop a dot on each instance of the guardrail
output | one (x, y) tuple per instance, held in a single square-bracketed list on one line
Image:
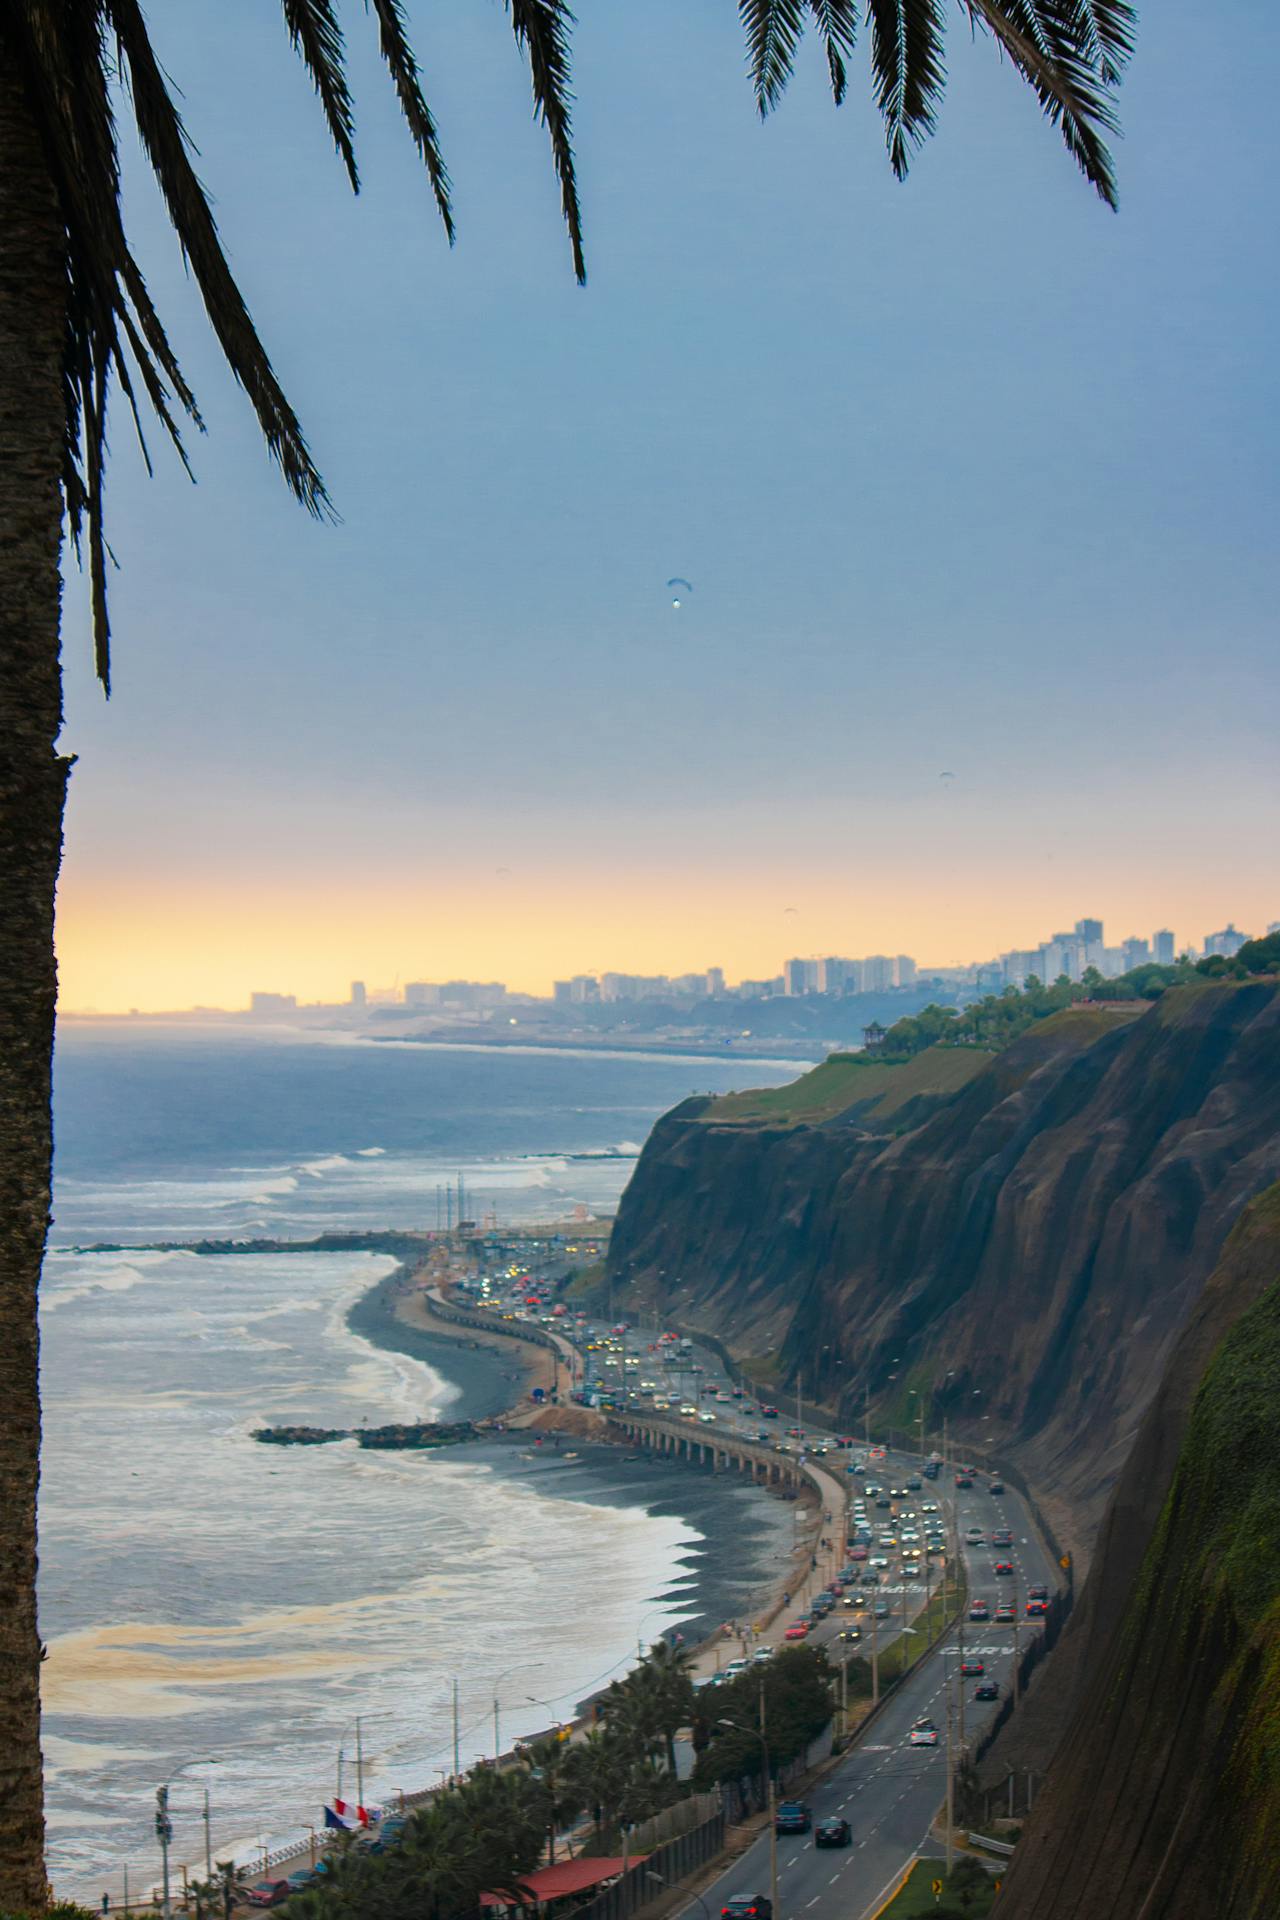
[(1002, 1847)]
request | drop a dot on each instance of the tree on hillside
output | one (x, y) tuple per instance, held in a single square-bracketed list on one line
[(76, 315)]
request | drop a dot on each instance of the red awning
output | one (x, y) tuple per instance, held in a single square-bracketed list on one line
[(567, 1876)]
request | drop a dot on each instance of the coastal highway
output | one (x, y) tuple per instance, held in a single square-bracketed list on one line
[(888, 1791)]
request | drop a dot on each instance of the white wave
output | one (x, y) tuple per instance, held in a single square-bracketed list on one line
[(328, 1164), (369, 1153)]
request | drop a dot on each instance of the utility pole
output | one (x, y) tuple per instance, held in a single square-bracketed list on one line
[(875, 1651), (164, 1834), (951, 1787), (208, 1849), (773, 1822), (457, 1768), (1017, 1675), (359, 1765)]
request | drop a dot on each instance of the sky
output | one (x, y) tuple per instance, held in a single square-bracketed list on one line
[(969, 475)]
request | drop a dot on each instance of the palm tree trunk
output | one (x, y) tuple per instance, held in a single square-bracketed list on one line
[(33, 783)]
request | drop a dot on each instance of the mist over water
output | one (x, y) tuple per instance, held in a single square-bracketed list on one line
[(222, 1611)]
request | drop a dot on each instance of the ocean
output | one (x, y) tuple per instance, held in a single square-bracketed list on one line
[(218, 1613)]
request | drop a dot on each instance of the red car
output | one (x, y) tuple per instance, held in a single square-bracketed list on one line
[(964, 1480), (796, 1631), (268, 1893)]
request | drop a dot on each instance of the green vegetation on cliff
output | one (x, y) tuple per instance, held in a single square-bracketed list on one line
[(859, 1085)]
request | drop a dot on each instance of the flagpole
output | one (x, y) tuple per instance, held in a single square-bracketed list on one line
[(359, 1768)]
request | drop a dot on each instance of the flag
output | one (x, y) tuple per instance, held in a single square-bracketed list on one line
[(331, 1818)]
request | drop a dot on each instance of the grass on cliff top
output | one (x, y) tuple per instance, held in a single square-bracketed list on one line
[(848, 1080)]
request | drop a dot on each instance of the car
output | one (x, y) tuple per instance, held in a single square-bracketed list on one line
[(979, 1610), (835, 1587), (933, 1469), (883, 1500), (268, 1893), (747, 1906), (1002, 1537), (870, 1578), (923, 1734), (1037, 1609), (760, 1655), (898, 1493), (928, 1506), (795, 1433), (972, 1669), (823, 1604), (877, 1560), (792, 1816), (707, 1418), (975, 1537), (996, 1487), (1004, 1569), (796, 1631), (964, 1480), (1037, 1593), (301, 1879), (858, 1551), (987, 1691), (915, 1484), (881, 1609), (832, 1833), (851, 1634), (1006, 1611), (768, 1413), (734, 1668), (688, 1409)]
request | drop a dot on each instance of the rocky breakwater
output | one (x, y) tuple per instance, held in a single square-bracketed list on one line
[(1164, 1795), (410, 1438), (1017, 1248)]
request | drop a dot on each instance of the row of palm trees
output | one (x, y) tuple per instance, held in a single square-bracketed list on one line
[(489, 1831)]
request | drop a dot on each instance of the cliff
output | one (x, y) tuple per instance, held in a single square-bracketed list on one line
[(1164, 1797), (1017, 1247)]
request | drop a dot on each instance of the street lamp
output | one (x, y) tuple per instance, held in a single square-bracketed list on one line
[(532, 1666), (758, 1733), (164, 1829), (649, 1874)]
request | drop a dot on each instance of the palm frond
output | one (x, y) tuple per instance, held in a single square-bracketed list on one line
[(837, 24), (315, 32), (1047, 42), (1106, 29), (543, 28), (164, 139), (910, 73), (773, 29), (403, 68)]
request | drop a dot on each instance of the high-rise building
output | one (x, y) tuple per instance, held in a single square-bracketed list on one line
[(879, 973), (833, 975), (1088, 933), (715, 982), (1136, 952), (421, 993), (800, 976), (904, 971), (357, 996), (1162, 947), (269, 1003), (1227, 942)]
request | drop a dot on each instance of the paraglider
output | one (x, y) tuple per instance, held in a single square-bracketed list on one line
[(685, 587), (946, 776)]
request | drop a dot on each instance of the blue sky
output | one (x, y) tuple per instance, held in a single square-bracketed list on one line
[(967, 474)]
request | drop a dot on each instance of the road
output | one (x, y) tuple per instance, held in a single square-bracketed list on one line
[(889, 1791)]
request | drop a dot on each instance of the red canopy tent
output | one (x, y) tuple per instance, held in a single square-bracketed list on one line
[(567, 1876)]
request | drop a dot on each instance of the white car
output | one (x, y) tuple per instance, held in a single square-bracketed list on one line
[(910, 1571), (929, 1506), (734, 1668), (923, 1734), (975, 1537), (877, 1560), (760, 1655), (706, 1418)]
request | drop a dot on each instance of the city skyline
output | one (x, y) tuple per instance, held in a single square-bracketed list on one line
[(1068, 952)]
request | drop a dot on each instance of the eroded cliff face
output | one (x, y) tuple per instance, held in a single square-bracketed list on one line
[(1023, 1258), (1164, 1796)]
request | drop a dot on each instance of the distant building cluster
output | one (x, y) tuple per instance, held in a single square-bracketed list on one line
[(1070, 954)]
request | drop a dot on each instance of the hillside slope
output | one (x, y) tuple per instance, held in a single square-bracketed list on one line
[(1164, 1798), (1022, 1259)]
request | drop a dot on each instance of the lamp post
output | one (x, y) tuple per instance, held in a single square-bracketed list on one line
[(164, 1834), (649, 1874), (532, 1666), (759, 1733)]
